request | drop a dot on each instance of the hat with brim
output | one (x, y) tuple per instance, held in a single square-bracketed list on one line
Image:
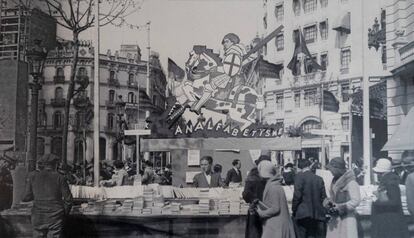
[(383, 166), (336, 163), (266, 169)]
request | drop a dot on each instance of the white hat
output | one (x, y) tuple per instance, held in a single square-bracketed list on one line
[(266, 169), (383, 166)]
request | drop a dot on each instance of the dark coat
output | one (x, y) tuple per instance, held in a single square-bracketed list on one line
[(387, 214), (308, 197), (233, 176), (51, 195), (200, 181), (253, 189), (6, 189)]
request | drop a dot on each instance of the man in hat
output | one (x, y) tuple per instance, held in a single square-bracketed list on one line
[(344, 199), (408, 161), (51, 195)]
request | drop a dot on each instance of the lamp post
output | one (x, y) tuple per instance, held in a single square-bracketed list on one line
[(120, 111), (36, 56)]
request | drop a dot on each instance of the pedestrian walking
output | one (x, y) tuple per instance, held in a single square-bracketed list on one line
[(307, 204), (387, 216), (408, 160), (273, 209), (51, 195), (344, 199), (252, 193), (6, 183)]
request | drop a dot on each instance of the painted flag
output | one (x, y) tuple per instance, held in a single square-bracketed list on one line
[(330, 103), (145, 102), (300, 47)]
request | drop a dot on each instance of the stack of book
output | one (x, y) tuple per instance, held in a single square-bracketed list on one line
[(127, 206), (109, 207), (147, 211), (175, 208), (148, 197), (244, 208), (224, 207), (138, 205), (204, 206), (234, 208)]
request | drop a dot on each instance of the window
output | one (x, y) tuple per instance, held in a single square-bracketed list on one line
[(56, 146), (60, 72), (57, 120), (324, 60), (111, 95), (297, 99), (131, 97), (279, 12), (310, 97), (42, 119), (131, 78), (345, 92), (59, 93), (323, 28), (111, 74), (279, 101), (110, 121), (345, 122), (296, 7), (384, 54), (82, 71), (295, 35), (309, 6), (280, 42), (310, 34), (345, 58), (324, 3), (309, 67), (40, 146)]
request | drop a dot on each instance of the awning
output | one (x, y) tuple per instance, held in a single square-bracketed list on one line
[(403, 138), (343, 24)]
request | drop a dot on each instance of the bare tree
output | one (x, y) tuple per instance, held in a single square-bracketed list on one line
[(77, 16)]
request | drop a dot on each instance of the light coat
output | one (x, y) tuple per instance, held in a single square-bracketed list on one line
[(346, 196), (276, 218)]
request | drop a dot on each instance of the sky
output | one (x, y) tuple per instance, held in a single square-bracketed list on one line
[(177, 25)]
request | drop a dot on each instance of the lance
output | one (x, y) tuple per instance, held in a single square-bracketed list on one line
[(263, 42)]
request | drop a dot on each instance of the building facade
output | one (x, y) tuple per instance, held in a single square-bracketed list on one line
[(335, 32), (400, 61), (122, 74)]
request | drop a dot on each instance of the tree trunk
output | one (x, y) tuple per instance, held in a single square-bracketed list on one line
[(69, 96)]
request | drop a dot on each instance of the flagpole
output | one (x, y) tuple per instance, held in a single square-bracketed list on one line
[(96, 100), (323, 136)]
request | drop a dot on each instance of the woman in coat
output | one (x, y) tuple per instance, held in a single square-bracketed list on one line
[(344, 199), (273, 209), (387, 214)]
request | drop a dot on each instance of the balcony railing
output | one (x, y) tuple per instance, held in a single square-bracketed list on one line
[(50, 129), (110, 104), (57, 102), (131, 106), (310, 78), (113, 82), (59, 79)]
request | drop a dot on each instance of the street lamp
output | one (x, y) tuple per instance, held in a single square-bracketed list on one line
[(36, 57), (120, 111)]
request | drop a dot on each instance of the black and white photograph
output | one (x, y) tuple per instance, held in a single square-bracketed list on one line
[(207, 118)]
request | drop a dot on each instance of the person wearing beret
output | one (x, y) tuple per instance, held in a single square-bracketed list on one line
[(51, 197)]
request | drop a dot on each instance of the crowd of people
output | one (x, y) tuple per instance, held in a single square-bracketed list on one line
[(314, 213)]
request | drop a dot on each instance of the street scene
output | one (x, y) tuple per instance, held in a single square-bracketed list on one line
[(207, 118)]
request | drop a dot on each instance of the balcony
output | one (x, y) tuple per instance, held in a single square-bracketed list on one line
[(113, 82), (81, 102), (59, 79), (110, 104), (50, 130), (58, 102), (133, 84), (110, 130), (310, 78)]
